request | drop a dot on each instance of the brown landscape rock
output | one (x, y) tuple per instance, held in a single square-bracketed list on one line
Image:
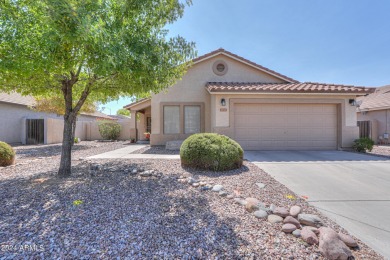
[(252, 204), (291, 220), (288, 228), (295, 210), (309, 236), (281, 211), (348, 240), (332, 247), (310, 220)]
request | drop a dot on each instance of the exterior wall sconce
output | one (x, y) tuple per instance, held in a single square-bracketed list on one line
[(353, 102), (223, 102)]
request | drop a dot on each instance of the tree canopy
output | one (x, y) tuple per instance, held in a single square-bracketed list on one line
[(89, 49), (123, 112), (112, 47)]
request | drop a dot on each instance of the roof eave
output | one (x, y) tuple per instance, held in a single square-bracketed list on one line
[(242, 60), (284, 92), (136, 103), (373, 108)]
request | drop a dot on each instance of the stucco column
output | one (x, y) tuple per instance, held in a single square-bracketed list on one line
[(133, 125)]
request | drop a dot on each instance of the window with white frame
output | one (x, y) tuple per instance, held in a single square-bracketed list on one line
[(191, 119), (171, 119)]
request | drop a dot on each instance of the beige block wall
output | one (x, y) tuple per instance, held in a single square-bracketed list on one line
[(12, 121), (86, 131), (192, 89), (54, 129), (13, 125), (381, 119)]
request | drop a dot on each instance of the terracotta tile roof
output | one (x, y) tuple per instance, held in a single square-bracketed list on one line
[(306, 87), (211, 54), (380, 99)]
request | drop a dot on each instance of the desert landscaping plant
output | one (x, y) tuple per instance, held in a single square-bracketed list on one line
[(109, 130), (362, 145), (211, 151), (7, 154)]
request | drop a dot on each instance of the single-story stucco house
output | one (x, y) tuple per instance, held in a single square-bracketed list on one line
[(19, 124), (375, 108), (259, 108)]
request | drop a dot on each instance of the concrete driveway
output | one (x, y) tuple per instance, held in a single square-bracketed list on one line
[(352, 189)]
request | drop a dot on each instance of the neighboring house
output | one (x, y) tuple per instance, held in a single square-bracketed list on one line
[(259, 108), (20, 124), (375, 108)]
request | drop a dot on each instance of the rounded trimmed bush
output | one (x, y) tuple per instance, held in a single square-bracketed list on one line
[(7, 154), (109, 130), (211, 152)]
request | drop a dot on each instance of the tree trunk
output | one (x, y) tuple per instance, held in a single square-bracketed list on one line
[(70, 117), (73, 130), (67, 142)]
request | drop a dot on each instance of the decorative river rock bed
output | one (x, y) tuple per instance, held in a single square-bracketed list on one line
[(145, 209), (308, 227)]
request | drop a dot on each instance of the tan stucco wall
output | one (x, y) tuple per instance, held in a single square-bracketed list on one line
[(192, 89), (381, 119), (141, 123), (92, 130), (54, 130), (12, 121), (13, 125)]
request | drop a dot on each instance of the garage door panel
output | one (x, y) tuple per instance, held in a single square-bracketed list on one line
[(291, 109), (286, 126), (292, 121), (248, 133), (329, 122)]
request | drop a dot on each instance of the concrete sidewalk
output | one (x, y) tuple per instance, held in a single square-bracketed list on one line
[(126, 153)]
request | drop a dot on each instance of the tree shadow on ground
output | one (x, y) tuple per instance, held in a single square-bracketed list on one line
[(216, 174), (118, 215), (45, 150)]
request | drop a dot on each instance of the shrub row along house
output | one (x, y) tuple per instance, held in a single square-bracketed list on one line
[(259, 108), (20, 124)]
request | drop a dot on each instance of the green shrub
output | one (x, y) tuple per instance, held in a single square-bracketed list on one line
[(211, 152), (109, 130), (363, 144), (7, 154)]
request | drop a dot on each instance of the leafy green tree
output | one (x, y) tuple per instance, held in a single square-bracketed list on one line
[(123, 112), (101, 49), (56, 105)]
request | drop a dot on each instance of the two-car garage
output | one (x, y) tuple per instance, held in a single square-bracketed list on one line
[(279, 126)]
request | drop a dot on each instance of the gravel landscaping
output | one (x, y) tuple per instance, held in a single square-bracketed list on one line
[(381, 150), (143, 209)]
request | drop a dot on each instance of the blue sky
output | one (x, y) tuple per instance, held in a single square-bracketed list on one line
[(334, 41)]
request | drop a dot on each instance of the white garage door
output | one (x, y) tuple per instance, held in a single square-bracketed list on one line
[(286, 126)]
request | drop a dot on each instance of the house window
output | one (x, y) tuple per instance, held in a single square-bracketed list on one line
[(191, 119), (149, 124), (171, 119)]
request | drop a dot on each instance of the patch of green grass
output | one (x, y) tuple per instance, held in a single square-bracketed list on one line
[(77, 202)]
